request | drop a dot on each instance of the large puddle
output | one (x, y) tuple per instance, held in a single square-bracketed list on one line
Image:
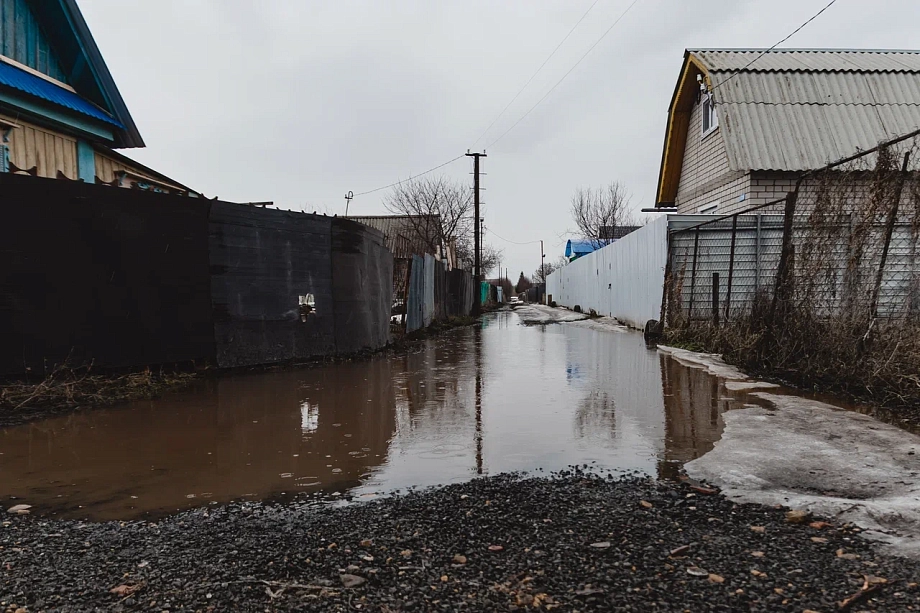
[(480, 400)]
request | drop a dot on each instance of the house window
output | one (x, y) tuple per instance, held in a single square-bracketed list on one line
[(709, 209), (710, 119)]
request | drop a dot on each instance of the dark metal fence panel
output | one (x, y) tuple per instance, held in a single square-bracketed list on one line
[(264, 264), (362, 287), (96, 274)]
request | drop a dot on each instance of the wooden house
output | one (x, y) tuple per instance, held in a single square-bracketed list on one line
[(61, 115)]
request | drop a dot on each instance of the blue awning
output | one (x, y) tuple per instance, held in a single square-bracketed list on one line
[(577, 248), (18, 79)]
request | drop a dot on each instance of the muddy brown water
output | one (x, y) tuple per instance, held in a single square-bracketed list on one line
[(479, 400)]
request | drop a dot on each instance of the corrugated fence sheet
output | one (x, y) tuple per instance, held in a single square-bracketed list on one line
[(622, 280), (262, 262), (362, 286), (94, 274), (123, 279), (436, 293)]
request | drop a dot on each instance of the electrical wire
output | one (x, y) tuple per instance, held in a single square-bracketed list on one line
[(546, 95), (377, 189), (491, 231), (790, 35), (533, 76)]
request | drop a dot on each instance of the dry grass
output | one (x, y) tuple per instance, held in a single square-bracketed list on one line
[(69, 387), (846, 317)]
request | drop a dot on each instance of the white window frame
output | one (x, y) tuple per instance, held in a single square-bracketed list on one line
[(709, 209), (708, 114)]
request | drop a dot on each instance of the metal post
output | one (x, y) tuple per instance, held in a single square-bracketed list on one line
[(715, 299), (757, 256), (668, 281), (696, 252), (781, 288), (889, 229), (731, 268)]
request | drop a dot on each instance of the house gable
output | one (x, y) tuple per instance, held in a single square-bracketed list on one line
[(51, 38), (784, 111), (675, 139), (23, 40)]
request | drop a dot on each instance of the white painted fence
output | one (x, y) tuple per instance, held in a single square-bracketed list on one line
[(622, 280)]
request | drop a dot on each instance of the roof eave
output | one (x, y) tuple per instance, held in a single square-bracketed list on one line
[(130, 137), (675, 138)]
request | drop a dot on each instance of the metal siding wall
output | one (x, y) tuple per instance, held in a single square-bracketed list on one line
[(622, 280), (415, 319), (428, 306)]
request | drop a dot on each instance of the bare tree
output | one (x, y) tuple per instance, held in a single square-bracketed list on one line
[(599, 212), (489, 258), (549, 268), (437, 207)]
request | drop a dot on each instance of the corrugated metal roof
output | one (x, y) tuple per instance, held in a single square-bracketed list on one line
[(405, 235), (809, 60), (18, 79), (797, 110)]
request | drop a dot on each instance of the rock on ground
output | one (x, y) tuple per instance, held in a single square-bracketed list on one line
[(531, 544)]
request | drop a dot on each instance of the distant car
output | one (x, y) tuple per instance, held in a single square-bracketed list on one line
[(514, 299)]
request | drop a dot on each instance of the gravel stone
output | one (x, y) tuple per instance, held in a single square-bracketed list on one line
[(256, 557)]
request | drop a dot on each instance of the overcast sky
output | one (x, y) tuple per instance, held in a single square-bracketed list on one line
[(298, 101)]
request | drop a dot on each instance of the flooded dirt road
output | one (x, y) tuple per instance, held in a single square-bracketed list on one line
[(496, 397)]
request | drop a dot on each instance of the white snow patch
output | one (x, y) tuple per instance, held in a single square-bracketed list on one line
[(744, 386), (540, 314), (604, 324), (712, 362), (810, 455)]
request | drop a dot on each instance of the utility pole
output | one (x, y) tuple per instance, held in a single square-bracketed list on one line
[(476, 234), (348, 198), (542, 268)]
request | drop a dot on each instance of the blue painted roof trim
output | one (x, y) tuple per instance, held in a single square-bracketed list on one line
[(82, 61), (580, 247), (28, 83)]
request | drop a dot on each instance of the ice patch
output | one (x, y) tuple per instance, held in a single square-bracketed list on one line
[(712, 362), (538, 314), (806, 454)]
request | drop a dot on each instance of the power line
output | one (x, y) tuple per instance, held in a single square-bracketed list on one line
[(533, 76), (793, 33), (491, 231), (377, 189), (590, 49)]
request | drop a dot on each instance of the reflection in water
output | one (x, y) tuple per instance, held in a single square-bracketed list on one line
[(479, 400)]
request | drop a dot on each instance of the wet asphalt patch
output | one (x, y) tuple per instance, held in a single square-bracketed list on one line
[(574, 541)]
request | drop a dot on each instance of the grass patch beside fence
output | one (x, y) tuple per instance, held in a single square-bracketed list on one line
[(872, 360)]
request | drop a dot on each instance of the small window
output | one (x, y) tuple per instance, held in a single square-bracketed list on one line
[(710, 119), (709, 209)]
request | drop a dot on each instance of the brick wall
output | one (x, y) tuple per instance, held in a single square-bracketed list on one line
[(705, 176)]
